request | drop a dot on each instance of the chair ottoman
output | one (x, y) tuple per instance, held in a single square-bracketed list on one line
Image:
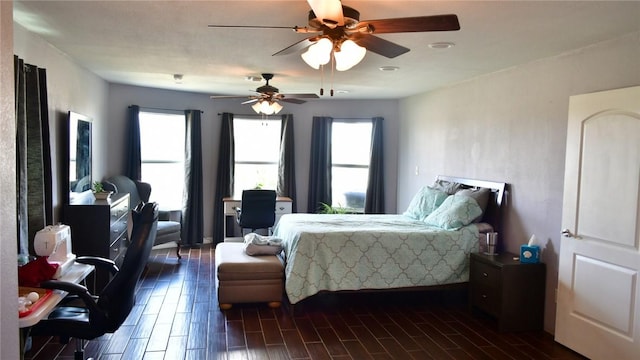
[(243, 278)]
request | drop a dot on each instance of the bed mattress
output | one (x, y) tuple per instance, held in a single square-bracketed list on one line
[(353, 252)]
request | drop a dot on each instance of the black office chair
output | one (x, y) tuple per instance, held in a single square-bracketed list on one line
[(257, 211), (83, 316)]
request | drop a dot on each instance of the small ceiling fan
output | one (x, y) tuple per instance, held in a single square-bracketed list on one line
[(267, 97), (331, 20)]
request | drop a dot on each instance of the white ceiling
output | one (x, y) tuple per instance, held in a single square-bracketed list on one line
[(145, 42)]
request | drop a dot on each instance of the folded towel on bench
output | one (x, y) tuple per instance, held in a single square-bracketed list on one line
[(256, 244)]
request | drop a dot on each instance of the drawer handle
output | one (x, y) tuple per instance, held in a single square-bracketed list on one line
[(281, 208), (485, 274), (116, 250), (484, 296)]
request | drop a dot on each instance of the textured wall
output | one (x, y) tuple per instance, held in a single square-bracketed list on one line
[(511, 126), (8, 242)]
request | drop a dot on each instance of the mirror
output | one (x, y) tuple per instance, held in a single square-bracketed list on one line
[(79, 150)]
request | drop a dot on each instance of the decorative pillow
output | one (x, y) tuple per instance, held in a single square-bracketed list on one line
[(481, 195), (424, 202), (455, 212), (448, 187)]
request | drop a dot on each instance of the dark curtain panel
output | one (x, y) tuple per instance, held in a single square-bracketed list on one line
[(33, 154), (320, 164), (286, 163), (134, 160), (192, 220), (374, 200), (224, 179)]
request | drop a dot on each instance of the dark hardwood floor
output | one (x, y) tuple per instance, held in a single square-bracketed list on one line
[(177, 317)]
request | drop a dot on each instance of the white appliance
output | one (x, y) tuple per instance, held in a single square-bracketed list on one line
[(54, 241)]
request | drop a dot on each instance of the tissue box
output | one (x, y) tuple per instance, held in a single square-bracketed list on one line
[(529, 254)]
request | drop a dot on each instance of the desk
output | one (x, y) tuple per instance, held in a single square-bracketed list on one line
[(283, 206), (76, 273)]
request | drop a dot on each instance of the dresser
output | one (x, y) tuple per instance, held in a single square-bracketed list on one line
[(508, 290), (231, 228), (99, 228)]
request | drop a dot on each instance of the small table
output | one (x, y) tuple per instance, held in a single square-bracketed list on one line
[(513, 292), (76, 273)]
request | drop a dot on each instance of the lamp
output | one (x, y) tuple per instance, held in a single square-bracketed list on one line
[(266, 107), (346, 53)]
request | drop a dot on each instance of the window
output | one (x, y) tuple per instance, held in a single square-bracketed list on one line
[(350, 155), (162, 152), (257, 151)]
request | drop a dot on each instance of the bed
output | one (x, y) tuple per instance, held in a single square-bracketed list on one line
[(417, 249)]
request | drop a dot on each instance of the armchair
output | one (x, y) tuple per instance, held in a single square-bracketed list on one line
[(169, 222), (83, 316)]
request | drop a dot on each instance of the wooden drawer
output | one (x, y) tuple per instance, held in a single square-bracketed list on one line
[(118, 249), (485, 275), (118, 228), (230, 207), (283, 207), (118, 211), (486, 298)]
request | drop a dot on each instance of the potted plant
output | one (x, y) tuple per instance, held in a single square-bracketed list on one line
[(328, 209), (99, 192)]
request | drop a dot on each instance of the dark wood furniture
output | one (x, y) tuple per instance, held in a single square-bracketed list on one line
[(99, 228), (510, 291)]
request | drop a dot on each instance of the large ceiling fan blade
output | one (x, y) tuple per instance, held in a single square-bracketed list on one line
[(299, 46), (329, 12), (249, 101), (293, 101), (303, 96), (414, 24), (379, 45), (252, 27), (227, 97)]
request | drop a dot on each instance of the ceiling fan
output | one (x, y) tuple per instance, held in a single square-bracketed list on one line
[(267, 97), (341, 25)]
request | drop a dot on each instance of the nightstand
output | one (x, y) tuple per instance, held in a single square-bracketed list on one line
[(508, 290)]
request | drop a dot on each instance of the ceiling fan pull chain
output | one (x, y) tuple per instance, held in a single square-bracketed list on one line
[(332, 71), (321, 80)]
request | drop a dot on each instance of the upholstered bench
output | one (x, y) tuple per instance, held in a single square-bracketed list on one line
[(242, 278)]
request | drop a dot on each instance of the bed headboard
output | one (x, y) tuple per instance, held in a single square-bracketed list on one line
[(493, 212)]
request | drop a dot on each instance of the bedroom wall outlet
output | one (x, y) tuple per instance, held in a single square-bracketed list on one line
[(417, 170)]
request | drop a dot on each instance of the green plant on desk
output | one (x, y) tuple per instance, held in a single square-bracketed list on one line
[(97, 187)]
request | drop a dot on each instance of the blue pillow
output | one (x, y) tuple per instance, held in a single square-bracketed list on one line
[(455, 212), (424, 202)]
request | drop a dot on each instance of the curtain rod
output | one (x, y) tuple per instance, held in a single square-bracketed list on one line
[(161, 109), (354, 118)]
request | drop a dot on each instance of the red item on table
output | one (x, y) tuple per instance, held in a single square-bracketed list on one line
[(36, 271)]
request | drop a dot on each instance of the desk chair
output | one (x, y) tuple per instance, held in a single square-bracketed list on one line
[(84, 316), (257, 210)]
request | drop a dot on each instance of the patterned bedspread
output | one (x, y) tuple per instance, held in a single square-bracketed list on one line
[(353, 252)]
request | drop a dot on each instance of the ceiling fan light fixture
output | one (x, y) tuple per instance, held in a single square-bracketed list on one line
[(318, 53), (276, 107), (350, 55), (266, 107)]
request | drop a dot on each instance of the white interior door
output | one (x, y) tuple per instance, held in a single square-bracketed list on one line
[(598, 287)]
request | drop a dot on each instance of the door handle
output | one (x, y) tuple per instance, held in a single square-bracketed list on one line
[(568, 233)]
